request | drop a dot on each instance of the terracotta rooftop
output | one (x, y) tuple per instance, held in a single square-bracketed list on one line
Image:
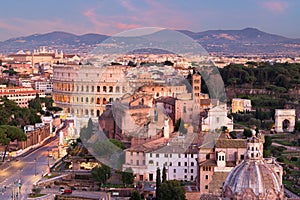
[(231, 143), (208, 163)]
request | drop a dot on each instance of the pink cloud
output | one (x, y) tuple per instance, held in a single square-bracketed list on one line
[(108, 25), (128, 5), (154, 14), (275, 6)]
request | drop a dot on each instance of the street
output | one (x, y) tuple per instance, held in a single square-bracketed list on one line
[(17, 180)]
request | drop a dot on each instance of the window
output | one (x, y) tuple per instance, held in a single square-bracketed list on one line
[(174, 170), (166, 155), (104, 88), (170, 163), (170, 155), (192, 164), (157, 155), (206, 187), (137, 153), (131, 153), (192, 155), (92, 88), (192, 178), (192, 170), (179, 156), (185, 163), (179, 163), (150, 177), (151, 162), (98, 88), (185, 155), (144, 162), (98, 101), (137, 162), (185, 177), (110, 89), (207, 156), (156, 163), (117, 89), (185, 170), (206, 176), (150, 155), (242, 157)]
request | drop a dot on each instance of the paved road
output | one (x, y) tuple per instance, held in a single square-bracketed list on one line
[(25, 171), (79, 193), (290, 148)]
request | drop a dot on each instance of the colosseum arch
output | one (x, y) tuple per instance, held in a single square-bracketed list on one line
[(285, 120)]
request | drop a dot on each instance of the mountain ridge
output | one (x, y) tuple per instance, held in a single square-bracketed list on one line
[(226, 42)]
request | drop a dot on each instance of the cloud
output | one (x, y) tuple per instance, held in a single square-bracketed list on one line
[(128, 5), (108, 24), (275, 6)]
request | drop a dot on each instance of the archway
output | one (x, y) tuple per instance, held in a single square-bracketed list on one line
[(285, 120), (285, 125)]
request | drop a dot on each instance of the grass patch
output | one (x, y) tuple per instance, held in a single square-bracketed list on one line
[(290, 185), (51, 176), (33, 195), (284, 142)]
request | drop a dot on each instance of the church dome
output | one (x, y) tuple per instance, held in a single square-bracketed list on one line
[(253, 178)]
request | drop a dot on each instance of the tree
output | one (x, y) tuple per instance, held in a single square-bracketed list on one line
[(118, 143), (247, 133), (35, 104), (179, 126), (135, 195), (164, 175), (127, 176), (297, 125), (268, 142), (102, 173), (9, 134), (172, 190), (158, 184)]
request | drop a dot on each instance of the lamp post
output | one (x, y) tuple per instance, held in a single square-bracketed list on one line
[(35, 166), (48, 158)]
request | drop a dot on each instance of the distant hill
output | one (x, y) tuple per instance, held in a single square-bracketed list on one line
[(221, 42), (56, 40)]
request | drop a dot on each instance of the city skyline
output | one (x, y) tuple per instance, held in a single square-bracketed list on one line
[(111, 17)]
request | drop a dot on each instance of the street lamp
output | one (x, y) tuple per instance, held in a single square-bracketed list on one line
[(48, 157), (35, 166)]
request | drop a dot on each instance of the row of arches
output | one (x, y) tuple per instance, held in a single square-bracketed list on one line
[(86, 112)]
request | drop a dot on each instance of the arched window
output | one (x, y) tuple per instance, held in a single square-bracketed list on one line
[(98, 88), (98, 113), (86, 99), (92, 100), (117, 89), (104, 101), (110, 88), (98, 101), (104, 88)]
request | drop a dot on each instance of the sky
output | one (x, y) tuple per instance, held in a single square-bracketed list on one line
[(23, 18)]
